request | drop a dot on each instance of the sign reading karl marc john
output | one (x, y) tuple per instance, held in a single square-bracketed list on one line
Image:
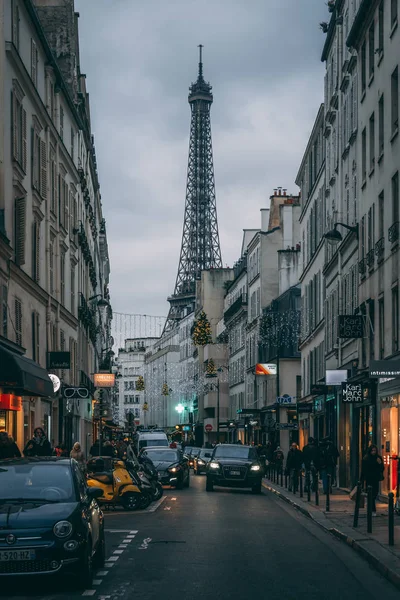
[(384, 368), (351, 326), (352, 392)]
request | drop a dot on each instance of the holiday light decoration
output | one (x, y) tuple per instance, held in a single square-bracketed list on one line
[(165, 390), (202, 331), (140, 384), (280, 332), (211, 370)]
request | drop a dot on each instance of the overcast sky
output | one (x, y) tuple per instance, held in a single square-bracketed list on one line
[(262, 58)]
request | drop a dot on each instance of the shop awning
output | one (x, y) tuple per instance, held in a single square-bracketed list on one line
[(23, 376)]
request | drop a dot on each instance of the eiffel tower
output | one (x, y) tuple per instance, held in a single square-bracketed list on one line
[(200, 249)]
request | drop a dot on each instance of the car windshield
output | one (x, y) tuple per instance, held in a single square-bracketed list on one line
[(166, 456), (232, 452), (39, 482), (205, 454), (153, 442), (193, 451)]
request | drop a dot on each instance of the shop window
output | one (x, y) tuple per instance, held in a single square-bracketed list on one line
[(381, 328), (395, 319), (389, 441)]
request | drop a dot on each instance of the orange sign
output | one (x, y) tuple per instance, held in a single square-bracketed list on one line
[(263, 369), (104, 380), (10, 402)]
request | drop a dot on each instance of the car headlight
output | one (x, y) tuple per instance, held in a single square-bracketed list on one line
[(174, 469), (200, 462), (62, 529), (214, 465), (255, 468)]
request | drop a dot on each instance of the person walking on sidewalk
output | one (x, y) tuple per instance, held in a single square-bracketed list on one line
[(294, 463), (372, 473), (278, 459), (329, 455), (311, 456)]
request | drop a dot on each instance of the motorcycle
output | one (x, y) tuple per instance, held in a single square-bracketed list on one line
[(141, 480), (152, 475), (113, 478)]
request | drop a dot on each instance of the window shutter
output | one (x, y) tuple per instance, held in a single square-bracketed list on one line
[(20, 227), (51, 266), (65, 205), (14, 127), (43, 170), (355, 94), (37, 252), (34, 62), (23, 135), (53, 187), (34, 160), (18, 321)]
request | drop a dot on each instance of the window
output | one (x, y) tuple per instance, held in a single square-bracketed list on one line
[(371, 40), (395, 319), (73, 214), (381, 110), (53, 183), (39, 164), (51, 266), (395, 100), (381, 328), (61, 123), (62, 277), (15, 24), (72, 289), (381, 28), (395, 198), (371, 315), (18, 321), (35, 337), (363, 66), (4, 310), (34, 63), (20, 229), (72, 150), (393, 12), (372, 141), (36, 251), (364, 155), (18, 125), (381, 215)]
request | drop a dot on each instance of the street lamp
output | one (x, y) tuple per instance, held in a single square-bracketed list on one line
[(212, 375), (180, 408), (335, 237)]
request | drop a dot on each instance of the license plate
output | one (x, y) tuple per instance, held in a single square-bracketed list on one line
[(11, 555), (235, 472)]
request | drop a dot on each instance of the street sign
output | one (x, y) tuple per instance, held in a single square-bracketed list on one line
[(285, 399), (287, 425), (208, 427), (58, 360), (352, 392), (351, 326)]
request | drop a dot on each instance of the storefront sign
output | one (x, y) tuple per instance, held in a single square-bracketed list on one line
[(384, 368), (335, 376), (352, 392), (56, 382), (287, 426), (265, 369), (58, 360), (10, 402), (105, 380), (351, 326), (286, 399), (305, 408)]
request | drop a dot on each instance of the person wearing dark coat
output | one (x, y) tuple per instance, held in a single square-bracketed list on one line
[(39, 445), (311, 456), (372, 470), (328, 459), (8, 448), (294, 462), (106, 449)]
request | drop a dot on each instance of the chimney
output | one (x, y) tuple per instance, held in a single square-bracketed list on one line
[(280, 191), (264, 219), (284, 192)]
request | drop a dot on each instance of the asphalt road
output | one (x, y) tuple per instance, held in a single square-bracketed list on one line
[(224, 545)]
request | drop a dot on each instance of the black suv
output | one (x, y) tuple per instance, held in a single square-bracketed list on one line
[(234, 465)]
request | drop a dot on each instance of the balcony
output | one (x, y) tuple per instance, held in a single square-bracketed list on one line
[(362, 267), (239, 303), (380, 249), (370, 258), (393, 232), (87, 317)]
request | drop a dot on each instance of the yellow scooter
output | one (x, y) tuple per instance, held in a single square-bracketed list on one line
[(111, 476)]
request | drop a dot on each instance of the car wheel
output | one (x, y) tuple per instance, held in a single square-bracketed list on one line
[(84, 573), (256, 489), (130, 501), (209, 485), (187, 482), (100, 556), (179, 484)]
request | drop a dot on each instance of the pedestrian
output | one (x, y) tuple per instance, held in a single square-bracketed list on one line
[(278, 458), (294, 462), (8, 448), (311, 456), (39, 445), (372, 473), (269, 453), (77, 454), (328, 458)]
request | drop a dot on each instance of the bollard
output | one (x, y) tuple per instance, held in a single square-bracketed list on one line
[(357, 505), (301, 484), (391, 519), (281, 470), (274, 474), (317, 493), (369, 509), (285, 480), (328, 493), (308, 480)]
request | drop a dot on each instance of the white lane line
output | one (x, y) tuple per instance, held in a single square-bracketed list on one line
[(89, 593), (134, 531), (156, 505), (123, 546), (173, 498), (118, 552), (102, 573), (118, 531), (109, 565), (113, 558), (167, 508), (130, 537), (97, 581), (127, 541), (145, 544)]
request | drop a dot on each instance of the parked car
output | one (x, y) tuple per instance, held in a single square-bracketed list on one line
[(201, 461), (172, 466), (191, 452), (233, 465), (49, 520)]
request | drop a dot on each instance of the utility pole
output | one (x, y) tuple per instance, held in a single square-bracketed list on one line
[(218, 410)]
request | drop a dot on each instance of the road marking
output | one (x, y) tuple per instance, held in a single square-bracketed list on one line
[(134, 532), (102, 573), (113, 558), (127, 541), (118, 552), (130, 537), (145, 544), (97, 581), (118, 531), (108, 564), (157, 504), (173, 498), (123, 546), (167, 508), (89, 593)]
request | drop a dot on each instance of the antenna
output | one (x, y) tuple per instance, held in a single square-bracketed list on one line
[(200, 60)]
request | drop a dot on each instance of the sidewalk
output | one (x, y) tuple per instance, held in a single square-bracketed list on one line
[(374, 547)]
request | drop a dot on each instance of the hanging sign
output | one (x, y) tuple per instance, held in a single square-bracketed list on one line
[(58, 360), (10, 402), (56, 382), (285, 399), (351, 326), (384, 368), (352, 392), (265, 369), (104, 380)]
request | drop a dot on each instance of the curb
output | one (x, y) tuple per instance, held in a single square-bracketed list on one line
[(375, 562)]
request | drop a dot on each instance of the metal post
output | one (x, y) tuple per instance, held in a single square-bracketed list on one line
[(391, 519), (369, 509), (218, 411), (301, 483), (308, 482), (328, 493), (357, 505), (317, 494), (101, 404), (285, 480), (281, 470)]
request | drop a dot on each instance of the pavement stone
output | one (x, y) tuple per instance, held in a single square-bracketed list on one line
[(374, 547)]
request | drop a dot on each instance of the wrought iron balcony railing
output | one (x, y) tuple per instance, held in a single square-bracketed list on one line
[(370, 258), (393, 232), (380, 249), (362, 267)]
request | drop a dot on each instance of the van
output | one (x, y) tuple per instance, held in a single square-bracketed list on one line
[(146, 439)]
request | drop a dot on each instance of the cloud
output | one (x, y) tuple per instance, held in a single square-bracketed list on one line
[(263, 61)]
